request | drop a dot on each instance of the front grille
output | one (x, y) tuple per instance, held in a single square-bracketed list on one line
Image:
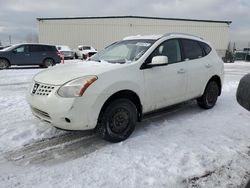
[(42, 89), (41, 114)]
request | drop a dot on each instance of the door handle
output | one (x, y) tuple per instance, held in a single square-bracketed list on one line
[(27, 54), (208, 65), (44, 54), (181, 71)]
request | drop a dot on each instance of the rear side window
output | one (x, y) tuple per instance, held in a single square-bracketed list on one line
[(42, 48), (207, 49), (35, 48), (191, 49)]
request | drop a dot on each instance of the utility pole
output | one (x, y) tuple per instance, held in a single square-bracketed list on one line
[(10, 39)]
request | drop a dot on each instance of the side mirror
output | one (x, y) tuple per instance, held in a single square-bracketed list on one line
[(14, 51), (159, 60)]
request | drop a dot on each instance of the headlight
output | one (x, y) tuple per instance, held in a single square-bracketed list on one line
[(76, 87)]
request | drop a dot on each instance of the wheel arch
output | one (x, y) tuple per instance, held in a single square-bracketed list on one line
[(127, 94), (217, 79), (6, 59), (48, 58)]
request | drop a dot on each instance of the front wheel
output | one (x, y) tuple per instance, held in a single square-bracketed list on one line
[(4, 64), (117, 121), (210, 95)]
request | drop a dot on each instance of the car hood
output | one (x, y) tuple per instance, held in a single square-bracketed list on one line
[(63, 73)]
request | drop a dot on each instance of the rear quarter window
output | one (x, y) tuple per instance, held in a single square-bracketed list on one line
[(207, 49)]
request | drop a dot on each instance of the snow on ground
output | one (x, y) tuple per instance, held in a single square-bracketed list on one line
[(183, 147)]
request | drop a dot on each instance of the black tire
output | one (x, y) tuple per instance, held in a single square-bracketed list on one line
[(118, 121), (4, 64), (210, 95), (248, 185), (48, 63), (243, 92)]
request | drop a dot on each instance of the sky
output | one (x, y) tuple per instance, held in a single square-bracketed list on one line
[(18, 17)]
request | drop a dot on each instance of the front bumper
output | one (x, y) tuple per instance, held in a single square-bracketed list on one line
[(64, 113)]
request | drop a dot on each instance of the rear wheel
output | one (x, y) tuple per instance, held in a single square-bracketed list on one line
[(48, 63), (209, 98), (4, 64), (117, 121)]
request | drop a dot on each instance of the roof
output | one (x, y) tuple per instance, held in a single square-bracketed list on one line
[(155, 37), (141, 17)]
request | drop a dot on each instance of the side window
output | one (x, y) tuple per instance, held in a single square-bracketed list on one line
[(207, 49), (191, 49), (20, 49), (45, 48), (169, 48), (52, 48), (34, 48)]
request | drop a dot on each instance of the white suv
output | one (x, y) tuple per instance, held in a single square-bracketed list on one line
[(125, 81)]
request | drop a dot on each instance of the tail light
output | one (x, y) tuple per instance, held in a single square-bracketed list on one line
[(60, 54)]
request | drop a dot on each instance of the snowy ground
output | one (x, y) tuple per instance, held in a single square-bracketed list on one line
[(184, 147)]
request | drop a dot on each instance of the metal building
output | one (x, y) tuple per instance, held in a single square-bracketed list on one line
[(102, 31)]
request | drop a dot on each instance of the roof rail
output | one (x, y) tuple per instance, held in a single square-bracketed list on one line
[(176, 33)]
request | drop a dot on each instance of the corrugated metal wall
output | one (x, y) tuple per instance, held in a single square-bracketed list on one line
[(101, 32)]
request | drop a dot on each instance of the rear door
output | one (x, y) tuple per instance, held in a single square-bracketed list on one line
[(197, 67), (36, 54), (165, 85)]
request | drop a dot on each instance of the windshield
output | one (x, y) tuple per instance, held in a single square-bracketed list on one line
[(125, 51), (9, 48)]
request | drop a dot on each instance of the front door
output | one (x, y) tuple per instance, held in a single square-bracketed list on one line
[(21, 55), (165, 85)]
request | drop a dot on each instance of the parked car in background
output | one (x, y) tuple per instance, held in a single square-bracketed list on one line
[(127, 80), (242, 55), (29, 54), (246, 49), (65, 51), (83, 52)]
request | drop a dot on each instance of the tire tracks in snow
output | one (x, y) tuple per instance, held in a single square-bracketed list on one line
[(57, 149), (217, 174)]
